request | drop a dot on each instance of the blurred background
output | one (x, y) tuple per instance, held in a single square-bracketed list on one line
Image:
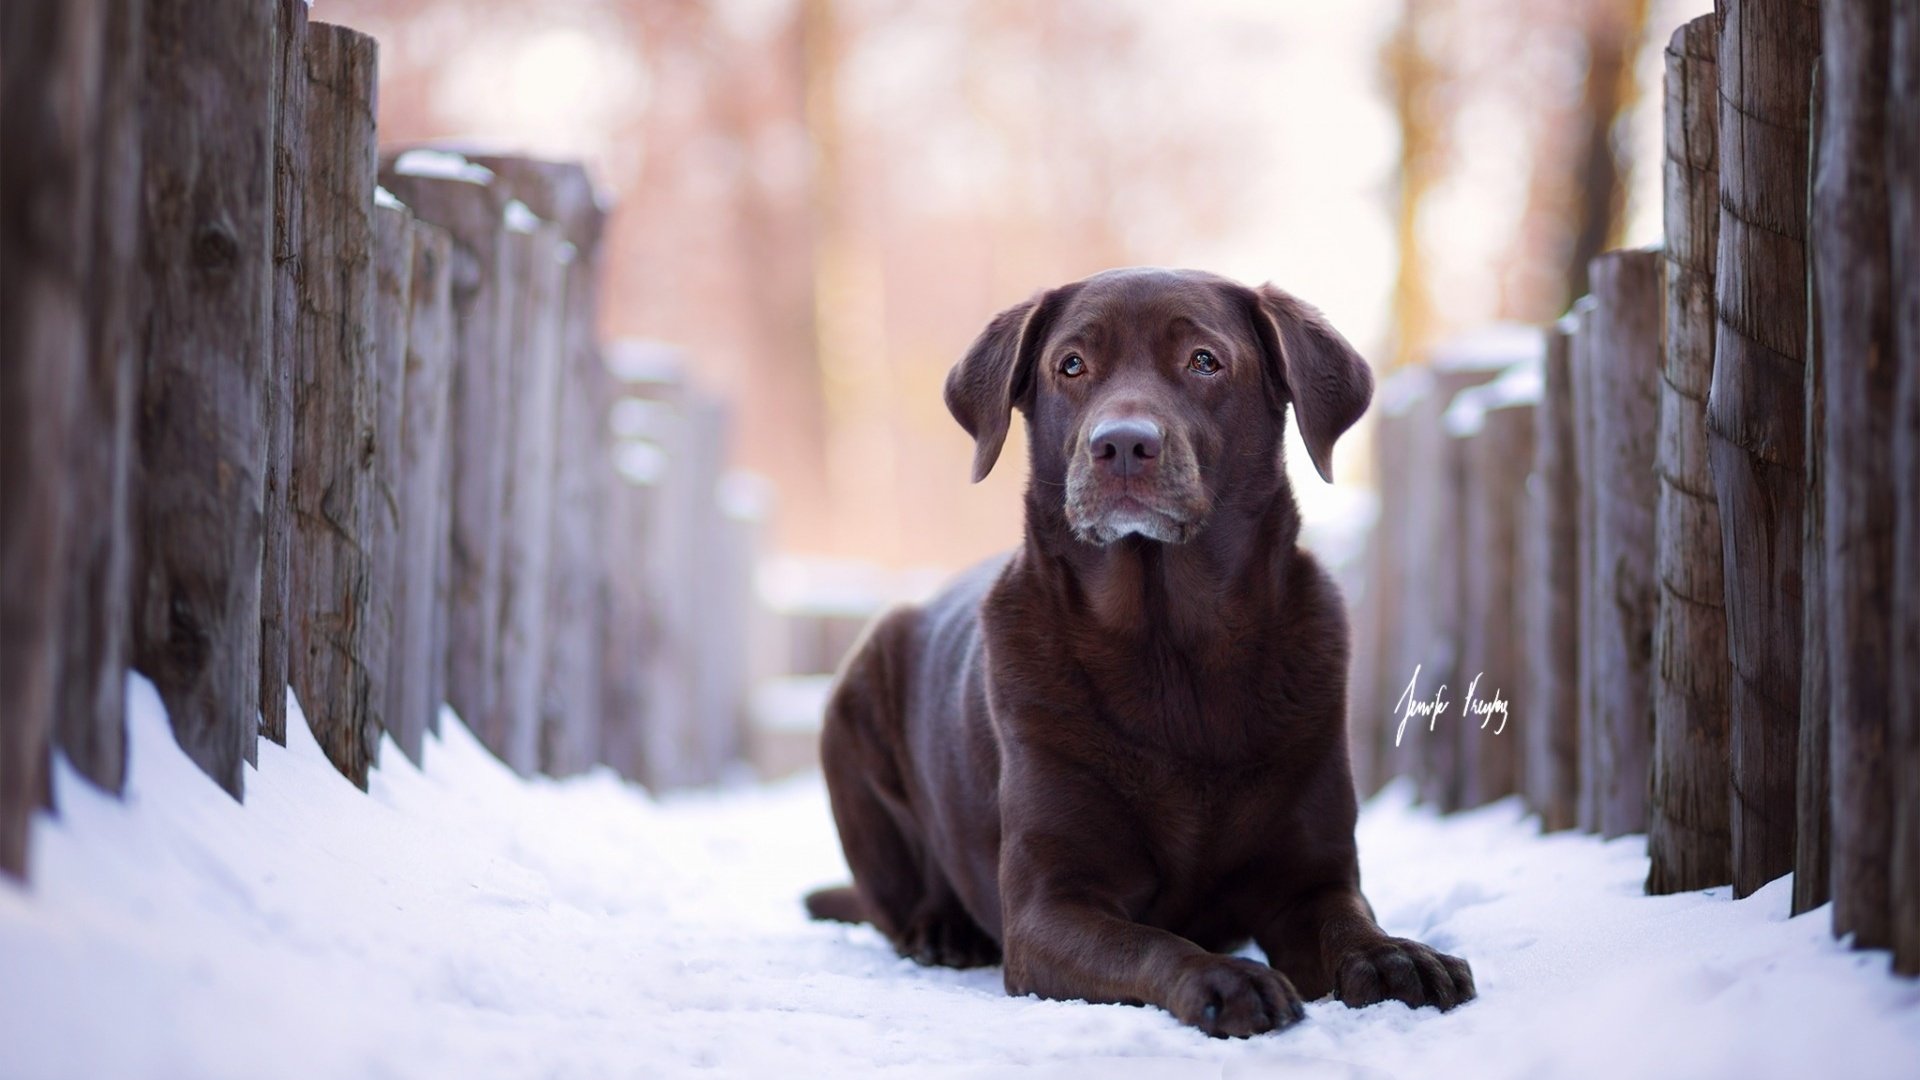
[(817, 203)]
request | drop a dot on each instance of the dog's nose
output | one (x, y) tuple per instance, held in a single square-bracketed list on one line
[(1126, 446)]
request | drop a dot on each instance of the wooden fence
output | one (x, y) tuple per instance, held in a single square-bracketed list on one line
[(1682, 534), (279, 409)]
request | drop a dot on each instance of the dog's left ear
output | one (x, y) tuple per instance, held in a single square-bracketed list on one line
[(997, 374), (1325, 379)]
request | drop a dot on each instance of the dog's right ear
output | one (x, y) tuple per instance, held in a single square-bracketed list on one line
[(997, 374)]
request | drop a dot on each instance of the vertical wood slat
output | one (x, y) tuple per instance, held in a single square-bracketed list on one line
[(537, 255), (332, 486), (1388, 584), (420, 548), (1580, 366), (1688, 840), (1756, 412), (1851, 257), (1493, 428), (90, 719), (1626, 380), (1551, 731), (289, 223), (202, 440), (48, 53), (1813, 789), (469, 204), (392, 308), (563, 193), (1903, 219)]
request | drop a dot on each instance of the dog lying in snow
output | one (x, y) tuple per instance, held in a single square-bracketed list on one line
[(1120, 751)]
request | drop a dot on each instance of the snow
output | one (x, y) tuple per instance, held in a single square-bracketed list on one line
[(441, 165), (384, 198), (519, 218), (464, 922)]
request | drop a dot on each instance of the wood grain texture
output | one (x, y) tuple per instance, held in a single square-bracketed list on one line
[(1588, 726), (421, 544), (1689, 842), (1813, 791), (289, 223), (1851, 265), (332, 487), (1497, 460), (1903, 225), (570, 701), (536, 254), (392, 310), (1756, 411), (202, 442), (1551, 733), (90, 725), (1626, 364), (47, 52), (470, 211)]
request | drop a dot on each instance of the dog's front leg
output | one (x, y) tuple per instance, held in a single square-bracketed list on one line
[(1068, 935), (1329, 942)]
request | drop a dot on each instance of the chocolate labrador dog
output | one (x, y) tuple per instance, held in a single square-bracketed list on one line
[(1120, 752)]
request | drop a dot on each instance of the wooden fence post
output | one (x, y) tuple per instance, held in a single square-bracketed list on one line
[(332, 488), (1552, 731), (208, 263), (1813, 787), (412, 686), (91, 721), (1903, 218), (1626, 420), (1756, 411), (1388, 588), (1581, 364), (627, 632), (1493, 428), (536, 254), (563, 193), (1688, 840), (289, 225), (392, 307), (465, 200), (46, 51), (1851, 257)]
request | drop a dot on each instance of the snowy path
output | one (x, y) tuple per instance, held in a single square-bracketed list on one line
[(462, 923)]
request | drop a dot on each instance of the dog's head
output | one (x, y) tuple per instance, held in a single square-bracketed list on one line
[(1152, 396)]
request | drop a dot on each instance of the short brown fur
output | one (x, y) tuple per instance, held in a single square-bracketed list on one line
[(1120, 751)]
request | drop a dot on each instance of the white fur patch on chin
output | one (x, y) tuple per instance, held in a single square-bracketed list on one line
[(1122, 524)]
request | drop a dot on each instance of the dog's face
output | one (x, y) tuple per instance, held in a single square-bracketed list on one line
[(1156, 397)]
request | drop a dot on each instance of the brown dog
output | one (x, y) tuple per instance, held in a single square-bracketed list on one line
[(1122, 749)]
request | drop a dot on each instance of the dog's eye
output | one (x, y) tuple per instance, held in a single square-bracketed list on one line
[(1203, 362), (1073, 365)]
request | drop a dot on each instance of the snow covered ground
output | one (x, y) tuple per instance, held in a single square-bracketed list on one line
[(463, 923)]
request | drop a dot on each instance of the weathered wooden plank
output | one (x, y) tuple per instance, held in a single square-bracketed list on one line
[(1493, 428), (420, 547), (1756, 411), (563, 193), (332, 487), (47, 51), (289, 224), (202, 440), (91, 718), (1581, 366), (392, 308), (1552, 729), (1903, 218), (1813, 788), (465, 200), (1851, 264), (1626, 358), (536, 254), (1689, 842)]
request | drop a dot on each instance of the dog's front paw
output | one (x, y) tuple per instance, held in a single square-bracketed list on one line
[(1400, 970), (1230, 997)]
